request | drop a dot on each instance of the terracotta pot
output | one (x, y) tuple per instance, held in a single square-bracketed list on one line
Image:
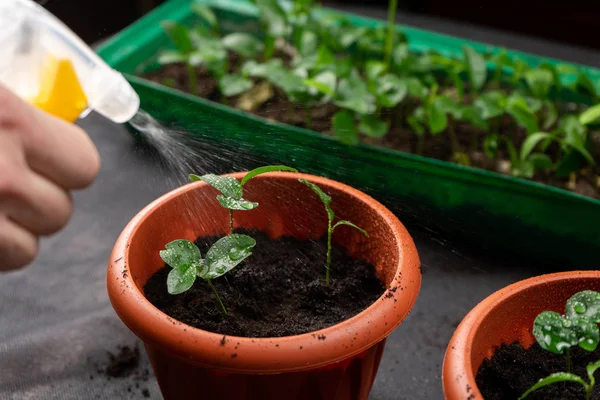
[(190, 363), (505, 317)]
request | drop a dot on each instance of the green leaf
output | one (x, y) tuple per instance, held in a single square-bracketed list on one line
[(344, 128), (243, 44), (584, 304), (236, 204), (590, 115), (180, 252), (232, 85), (227, 185), (518, 108), (391, 90), (553, 332), (491, 145), (372, 126), (181, 278), (264, 170), (400, 54), (551, 114), (206, 14), (353, 94), (540, 81), (416, 88), (491, 104), (436, 118), (576, 136), (554, 378), (540, 161), (591, 369), (325, 198), (586, 85), (344, 222), (227, 253), (567, 69), (519, 69), (179, 35), (472, 115), (273, 17), (571, 161), (530, 142), (476, 68), (374, 69), (416, 125), (210, 53), (325, 83), (308, 43), (588, 333), (171, 57)]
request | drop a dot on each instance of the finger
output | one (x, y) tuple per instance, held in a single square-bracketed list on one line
[(60, 151), (18, 247), (42, 207)]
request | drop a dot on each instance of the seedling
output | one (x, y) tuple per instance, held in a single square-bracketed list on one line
[(232, 191), (187, 263), (558, 333), (326, 199)]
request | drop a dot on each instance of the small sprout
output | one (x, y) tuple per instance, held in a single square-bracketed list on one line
[(232, 191), (476, 68), (326, 199), (558, 333), (187, 263)]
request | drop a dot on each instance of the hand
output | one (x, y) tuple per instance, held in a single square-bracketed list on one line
[(42, 158)]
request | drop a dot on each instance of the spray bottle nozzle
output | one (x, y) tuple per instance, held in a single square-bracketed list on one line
[(46, 63)]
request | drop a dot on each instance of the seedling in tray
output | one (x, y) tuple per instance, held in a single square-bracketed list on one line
[(326, 199), (558, 333), (187, 263), (232, 191)]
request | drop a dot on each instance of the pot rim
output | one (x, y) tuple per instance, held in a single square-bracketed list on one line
[(457, 369), (294, 353)]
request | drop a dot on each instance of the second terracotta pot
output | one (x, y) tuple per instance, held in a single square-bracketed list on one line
[(190, 363), (505, 317)]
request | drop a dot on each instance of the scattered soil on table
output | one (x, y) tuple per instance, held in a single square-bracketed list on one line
[(513, 370), (400, 136), (125, 363), (278, 291)]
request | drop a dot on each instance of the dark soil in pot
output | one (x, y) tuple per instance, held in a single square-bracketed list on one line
[(400, 136), (512, 370), (278, 291)]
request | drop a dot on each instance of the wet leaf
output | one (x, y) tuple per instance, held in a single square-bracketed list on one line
[(584, 304), (591, 369), (227, 185), (344, 128), (180, 252), (372, 126), (553, 332), (475, 66), (243, 44), (554, 378), (206, 14), (588, 334), (181, 278), (179, 35), (236, 204), (325, 198), (264, 170), (232, 85), (344, 222), (227, 253)]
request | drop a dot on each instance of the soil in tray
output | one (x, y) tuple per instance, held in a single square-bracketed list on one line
[(400, 136), (512, 370), (278, 291)]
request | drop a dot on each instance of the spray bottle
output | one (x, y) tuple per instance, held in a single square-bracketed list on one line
[(45, 63)]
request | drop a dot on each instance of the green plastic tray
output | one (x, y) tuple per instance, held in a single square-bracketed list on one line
[(495, 212)]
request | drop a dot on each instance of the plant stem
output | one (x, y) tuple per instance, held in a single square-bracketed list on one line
[(217, 296), (568, 360), (269, 47), (328, 264), (452, 135), (230, 221), (192, 82), (389, 43)]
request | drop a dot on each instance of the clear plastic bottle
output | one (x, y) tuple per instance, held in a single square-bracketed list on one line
[(44, 62)]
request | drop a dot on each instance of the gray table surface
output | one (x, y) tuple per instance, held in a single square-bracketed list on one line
[(56, 323)]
